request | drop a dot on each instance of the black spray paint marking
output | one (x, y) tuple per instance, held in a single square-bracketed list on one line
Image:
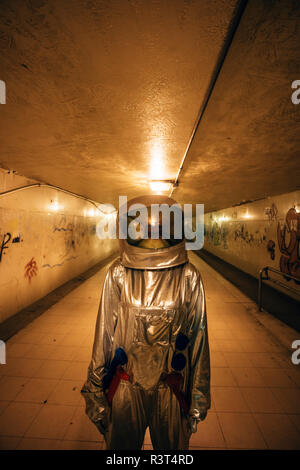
[(63, 229), (55, 265), (16, 239), (5, 241), (51, 266)]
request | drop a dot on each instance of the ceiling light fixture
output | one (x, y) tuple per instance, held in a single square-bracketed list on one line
[(161, 186)]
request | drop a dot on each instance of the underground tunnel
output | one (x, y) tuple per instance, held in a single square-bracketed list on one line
[(149, 225)]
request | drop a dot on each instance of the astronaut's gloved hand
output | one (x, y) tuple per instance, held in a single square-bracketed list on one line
[(102, 425), (194, 421)]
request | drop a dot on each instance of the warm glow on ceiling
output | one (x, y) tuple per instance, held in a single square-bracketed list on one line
[(158, 181), (157, 166), (159, 187)]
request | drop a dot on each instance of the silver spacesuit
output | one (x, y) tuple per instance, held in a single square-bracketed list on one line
[(153, 307)]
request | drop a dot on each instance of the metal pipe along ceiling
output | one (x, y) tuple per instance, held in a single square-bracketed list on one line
[(230, 35)]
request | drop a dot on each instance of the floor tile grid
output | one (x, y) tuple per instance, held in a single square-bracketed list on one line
[(218, 416)]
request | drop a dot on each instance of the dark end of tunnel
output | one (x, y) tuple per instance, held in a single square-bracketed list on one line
[(281, 306)]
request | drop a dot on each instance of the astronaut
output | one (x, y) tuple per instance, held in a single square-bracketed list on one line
[(150, 363)]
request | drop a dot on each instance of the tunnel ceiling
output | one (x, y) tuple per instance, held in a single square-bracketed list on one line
[(103, 95), (247, 143)]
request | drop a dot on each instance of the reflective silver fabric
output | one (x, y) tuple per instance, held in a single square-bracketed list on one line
[(142, 258), (143, 311)]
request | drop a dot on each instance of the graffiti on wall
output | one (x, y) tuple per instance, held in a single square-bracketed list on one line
[(271, 212), (217, 235), (243, 234), (288, 235), (223, 235), (271, 249), (4, 245), (66, 230), (74, 234), (58, 264), (30, 269), (6, 240), (17, 239)]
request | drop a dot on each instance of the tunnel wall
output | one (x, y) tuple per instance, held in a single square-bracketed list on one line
[(46, 238), (258, 234)]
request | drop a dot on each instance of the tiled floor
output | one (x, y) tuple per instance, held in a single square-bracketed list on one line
[(255, 387)]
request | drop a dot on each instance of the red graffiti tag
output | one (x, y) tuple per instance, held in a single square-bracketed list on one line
[(31, 269)]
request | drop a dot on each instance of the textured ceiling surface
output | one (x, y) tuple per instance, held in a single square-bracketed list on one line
[(102, 95), (247, 144)]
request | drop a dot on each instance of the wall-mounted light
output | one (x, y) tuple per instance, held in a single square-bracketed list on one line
[(224, 218), (55, 206), (247, 215), (91, 212)]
